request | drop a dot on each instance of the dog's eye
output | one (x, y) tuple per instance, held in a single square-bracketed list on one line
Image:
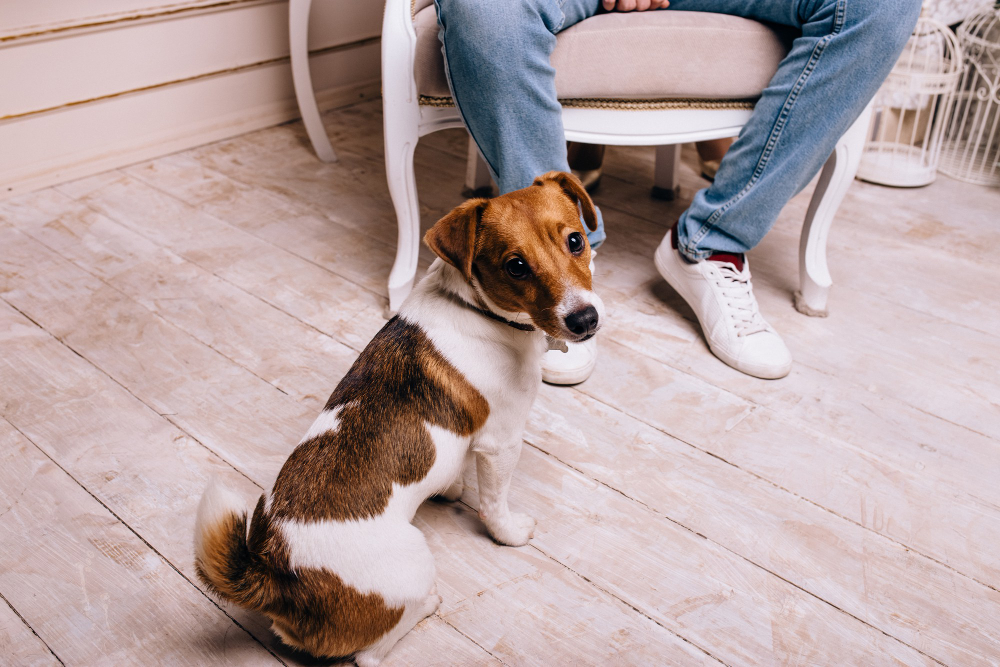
[(517, 268), (575, 242)]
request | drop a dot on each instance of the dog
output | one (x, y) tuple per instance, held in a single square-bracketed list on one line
[(330, 554)]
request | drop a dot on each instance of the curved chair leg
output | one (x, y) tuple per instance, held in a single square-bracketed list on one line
[(298, 42), (836, 177), (401, 130), (667, 174), (478, 182), (399, 147)]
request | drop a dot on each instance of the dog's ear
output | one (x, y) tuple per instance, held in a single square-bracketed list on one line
[(574, 189), (453, 237)]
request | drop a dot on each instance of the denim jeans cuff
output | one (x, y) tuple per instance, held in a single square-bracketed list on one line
[(598, 236)]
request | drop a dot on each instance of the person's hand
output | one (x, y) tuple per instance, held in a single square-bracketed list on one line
[(634, 5)]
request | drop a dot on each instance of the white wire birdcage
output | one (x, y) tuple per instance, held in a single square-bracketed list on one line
[(971, 149), (950, 12), (906, 131)]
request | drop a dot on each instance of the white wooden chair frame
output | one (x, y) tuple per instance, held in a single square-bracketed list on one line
[(298, 46), (405, 121)]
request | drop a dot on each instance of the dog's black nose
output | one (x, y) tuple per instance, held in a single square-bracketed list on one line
[(583, 321)]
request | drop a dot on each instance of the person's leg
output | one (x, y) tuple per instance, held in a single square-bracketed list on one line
[(846, 50), (497, 61), (710, 154), (587, 163)]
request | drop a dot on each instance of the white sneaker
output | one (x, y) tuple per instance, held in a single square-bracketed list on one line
[(575, 364), (570, 367), (721, 295)]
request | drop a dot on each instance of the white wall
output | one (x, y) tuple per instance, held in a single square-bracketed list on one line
[(88, 85)]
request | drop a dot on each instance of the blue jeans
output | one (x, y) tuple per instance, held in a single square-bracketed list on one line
[(497, 59)]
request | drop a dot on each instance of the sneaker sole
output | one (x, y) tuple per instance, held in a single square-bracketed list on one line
[(568, 377)]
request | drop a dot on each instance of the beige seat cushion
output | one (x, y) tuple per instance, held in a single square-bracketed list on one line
[(663, 55)]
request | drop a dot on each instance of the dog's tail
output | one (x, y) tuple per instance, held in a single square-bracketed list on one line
[(225, 563)]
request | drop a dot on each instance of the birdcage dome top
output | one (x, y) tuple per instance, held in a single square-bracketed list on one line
[(931, 62), (972, 147), (982, 29), (950, 12), (979, 37)]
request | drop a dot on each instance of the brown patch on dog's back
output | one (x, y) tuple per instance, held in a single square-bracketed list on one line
[(399, 383)]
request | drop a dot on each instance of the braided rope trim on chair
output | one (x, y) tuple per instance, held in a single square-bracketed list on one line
[(635, 105)]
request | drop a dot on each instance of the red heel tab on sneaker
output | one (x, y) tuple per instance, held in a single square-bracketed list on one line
[(728, 258)]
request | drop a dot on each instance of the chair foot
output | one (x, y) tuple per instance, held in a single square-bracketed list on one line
[(664, 194), (666, 174), (806, 308)]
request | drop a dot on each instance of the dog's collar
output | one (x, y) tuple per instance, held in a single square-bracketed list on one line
[(488, 313)]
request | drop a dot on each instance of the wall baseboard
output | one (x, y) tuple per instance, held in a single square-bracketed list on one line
[(77, 141)]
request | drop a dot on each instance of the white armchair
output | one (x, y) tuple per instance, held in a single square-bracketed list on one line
[(664, 109)]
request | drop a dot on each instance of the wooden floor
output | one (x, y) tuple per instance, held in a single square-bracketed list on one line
[(187, 317)]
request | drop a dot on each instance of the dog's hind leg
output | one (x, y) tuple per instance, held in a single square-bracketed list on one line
[(413, 614)]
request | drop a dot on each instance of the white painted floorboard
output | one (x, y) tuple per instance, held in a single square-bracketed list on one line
[(188, 316)]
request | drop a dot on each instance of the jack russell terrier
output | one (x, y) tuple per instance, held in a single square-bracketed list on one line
[(330, 555)]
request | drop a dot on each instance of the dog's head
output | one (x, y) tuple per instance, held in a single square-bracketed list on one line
[(528, 253)]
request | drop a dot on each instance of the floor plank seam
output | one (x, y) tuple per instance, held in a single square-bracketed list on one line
[(892, 540), (672, 364), (142, 539), (171, 253), (992, 438), (777, 576), (28, 625), (611, 594), (154, 313), (721, 546), (165, 416), (312, 208), (321, 216), (906, 306), (631, 606), (473, 641), (236, 229)]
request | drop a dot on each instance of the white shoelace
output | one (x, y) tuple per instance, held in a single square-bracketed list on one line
[(738, 293)]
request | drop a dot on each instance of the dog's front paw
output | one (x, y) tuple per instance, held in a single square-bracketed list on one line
[(515, 532)]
